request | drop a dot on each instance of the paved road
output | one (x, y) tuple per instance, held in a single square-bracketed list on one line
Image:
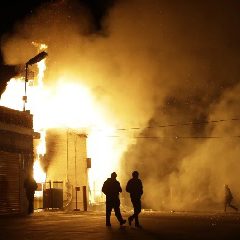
[(91, 226)]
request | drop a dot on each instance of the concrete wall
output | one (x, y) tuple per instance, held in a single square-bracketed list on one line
[(66, 160), (16, 159)]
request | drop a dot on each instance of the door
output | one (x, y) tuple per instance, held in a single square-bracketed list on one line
[(9, 183)]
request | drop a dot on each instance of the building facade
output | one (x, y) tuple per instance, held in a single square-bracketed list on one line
[(66, 166), (16, 159)]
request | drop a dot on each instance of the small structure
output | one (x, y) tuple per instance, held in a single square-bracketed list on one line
[(16, 159), (67, 169)]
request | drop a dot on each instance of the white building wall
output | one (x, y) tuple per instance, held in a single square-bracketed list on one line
[(67, 162)]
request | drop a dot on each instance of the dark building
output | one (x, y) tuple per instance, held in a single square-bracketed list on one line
[(16, 159)]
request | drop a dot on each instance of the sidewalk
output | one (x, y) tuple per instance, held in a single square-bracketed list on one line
[(57, 225)]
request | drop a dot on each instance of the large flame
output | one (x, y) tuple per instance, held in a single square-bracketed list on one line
[(69, 105), (38, 173)]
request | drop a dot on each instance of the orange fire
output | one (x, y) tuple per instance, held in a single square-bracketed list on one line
[(56, 108)]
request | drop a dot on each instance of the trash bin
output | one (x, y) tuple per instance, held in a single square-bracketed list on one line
[(53, 195)]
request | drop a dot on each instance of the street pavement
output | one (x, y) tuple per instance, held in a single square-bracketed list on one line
[(57, 225)]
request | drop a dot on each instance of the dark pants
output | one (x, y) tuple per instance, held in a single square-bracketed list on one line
[(229, 204), (30, 198), (113, 204), (137, 209)]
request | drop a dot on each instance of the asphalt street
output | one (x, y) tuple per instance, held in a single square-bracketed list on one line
[(55, 225)]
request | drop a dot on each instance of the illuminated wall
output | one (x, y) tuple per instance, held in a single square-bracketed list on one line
[(66, 160), (16, 159)]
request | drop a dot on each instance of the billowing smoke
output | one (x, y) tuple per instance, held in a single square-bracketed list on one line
[(155, 63), (184, 166)]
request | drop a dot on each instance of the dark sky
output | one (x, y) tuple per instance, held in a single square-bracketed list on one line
[(13, 11)]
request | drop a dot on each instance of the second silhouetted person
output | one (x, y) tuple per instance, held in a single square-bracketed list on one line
[(135, 188)]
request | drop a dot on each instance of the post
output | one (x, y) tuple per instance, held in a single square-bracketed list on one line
[(67, 154), (25, 87), (32, 61), (77, 189), (84, 198)]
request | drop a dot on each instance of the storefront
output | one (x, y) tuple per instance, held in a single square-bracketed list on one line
[(16, 159)]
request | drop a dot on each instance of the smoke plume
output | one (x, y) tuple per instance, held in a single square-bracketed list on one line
[(155, 63)]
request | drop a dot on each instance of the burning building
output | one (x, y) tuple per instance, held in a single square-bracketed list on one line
[(61, 156), (66, 165), (16, 159)]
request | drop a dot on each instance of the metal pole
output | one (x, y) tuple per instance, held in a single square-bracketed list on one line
[(85, 198), (77, 189), (76, 199), (67, 154), (25, 87), (75, 149)]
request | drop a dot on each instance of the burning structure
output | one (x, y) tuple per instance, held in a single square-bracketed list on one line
[(16, 159), (67, 154), (60, 154), (69, 165)]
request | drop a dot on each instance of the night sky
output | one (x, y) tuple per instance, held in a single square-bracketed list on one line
[(13, 11)]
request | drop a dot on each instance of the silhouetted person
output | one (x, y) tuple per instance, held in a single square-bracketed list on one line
[(30, 186), (228, 199), (135, 188), (111, 188)]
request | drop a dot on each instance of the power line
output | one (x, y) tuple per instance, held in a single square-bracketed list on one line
[(175, 125), (179, 124), (178, 137)]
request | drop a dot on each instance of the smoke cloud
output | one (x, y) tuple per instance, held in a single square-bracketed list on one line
[(195, 49), (154, 63)]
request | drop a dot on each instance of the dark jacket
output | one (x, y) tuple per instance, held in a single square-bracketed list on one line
[(228, 195), (135, 188), (111, 188), (30, 186)]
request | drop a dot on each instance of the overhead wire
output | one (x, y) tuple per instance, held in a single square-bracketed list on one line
[(178, 137), (180, 124), (176, 125)]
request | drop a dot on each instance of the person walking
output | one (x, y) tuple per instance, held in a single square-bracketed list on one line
[(111, 188), (30, 186), (135, 188), (228, 199)]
